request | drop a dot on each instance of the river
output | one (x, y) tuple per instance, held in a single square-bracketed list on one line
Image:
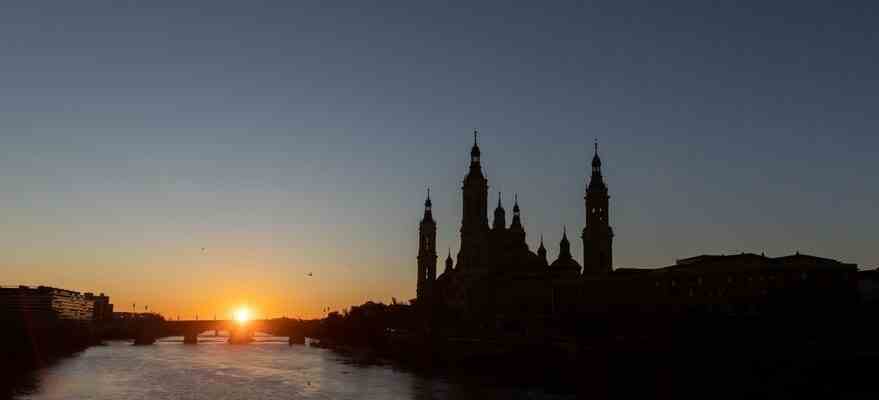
[(265, 369)]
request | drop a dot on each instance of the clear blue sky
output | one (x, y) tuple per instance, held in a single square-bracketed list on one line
[(294, 137)]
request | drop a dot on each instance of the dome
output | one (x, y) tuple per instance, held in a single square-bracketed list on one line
[(565, 264)]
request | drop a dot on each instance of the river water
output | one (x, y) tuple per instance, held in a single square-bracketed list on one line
[(266, 369)]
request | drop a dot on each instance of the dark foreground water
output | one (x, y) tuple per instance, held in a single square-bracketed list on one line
[(267, 369)]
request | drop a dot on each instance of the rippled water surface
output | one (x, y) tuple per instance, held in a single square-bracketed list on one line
[(267, 369)]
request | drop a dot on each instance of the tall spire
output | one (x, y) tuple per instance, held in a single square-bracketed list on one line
[(516, 225), (500, 218), (597, 234), (597, 181), (516, 204), (474, 216), (426, 252), (428, 208), (428, 203), (475, 153)]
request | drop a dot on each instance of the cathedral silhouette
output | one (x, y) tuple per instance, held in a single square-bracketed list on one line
[(494, 270), (497, 279)]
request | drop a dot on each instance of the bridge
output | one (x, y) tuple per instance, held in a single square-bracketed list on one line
[(147, 332)]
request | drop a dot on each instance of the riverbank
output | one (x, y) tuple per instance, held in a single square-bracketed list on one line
[(31, 342), (621, 372), (687, 355)]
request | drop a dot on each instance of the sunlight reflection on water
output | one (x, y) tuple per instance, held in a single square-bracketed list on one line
[(265, 369)]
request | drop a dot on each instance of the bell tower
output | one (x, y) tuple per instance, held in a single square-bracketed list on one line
[(426, 253), (597, 235), (474, 223)]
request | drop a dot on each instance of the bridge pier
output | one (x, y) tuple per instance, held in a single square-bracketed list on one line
[(145, 334), (296, 339), (240, 335), (141, 340), (190, 338)]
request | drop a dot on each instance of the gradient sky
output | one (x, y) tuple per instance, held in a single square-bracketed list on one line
[(290, 137)]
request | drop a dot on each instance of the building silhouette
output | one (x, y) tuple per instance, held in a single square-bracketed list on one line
[(496, 277), (53, 303), (597, 235), (426, 251), (495, 271)]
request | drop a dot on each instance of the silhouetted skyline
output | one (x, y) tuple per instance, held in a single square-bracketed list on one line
[(225, 152)]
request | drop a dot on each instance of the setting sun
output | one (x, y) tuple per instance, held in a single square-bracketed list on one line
[(242, 315)]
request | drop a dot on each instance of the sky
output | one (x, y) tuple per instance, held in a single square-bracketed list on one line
[(201, 156)]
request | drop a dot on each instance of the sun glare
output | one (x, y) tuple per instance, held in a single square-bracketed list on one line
[(242, 315)]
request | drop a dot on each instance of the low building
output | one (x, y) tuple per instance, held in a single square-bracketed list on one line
[(44, 301), (731, 284), (868, 286), (103, 307)]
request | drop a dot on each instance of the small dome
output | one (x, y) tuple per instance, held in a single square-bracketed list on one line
[(565, 264)]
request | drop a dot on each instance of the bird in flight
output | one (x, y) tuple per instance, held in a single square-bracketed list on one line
[(309, 274)]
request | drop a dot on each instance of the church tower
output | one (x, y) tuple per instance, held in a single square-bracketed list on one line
[(474, 223), (597, 235), (426, 252)]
